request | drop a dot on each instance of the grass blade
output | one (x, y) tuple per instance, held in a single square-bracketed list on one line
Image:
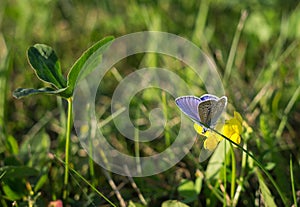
[(293, 183)]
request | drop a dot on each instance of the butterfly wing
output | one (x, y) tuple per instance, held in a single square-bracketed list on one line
[(217, 109), (204, 111), (206, 97), (189, 106)]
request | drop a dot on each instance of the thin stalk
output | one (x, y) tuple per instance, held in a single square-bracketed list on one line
[(233, 173), (67, 148), (287, 111), (115, 188), (91, 162), (293, 183), (2, 201), (241, 179), (137, 146), (214, 191), (234, 45), (165, 112), (198, 35), (225, 177), (91, 152)]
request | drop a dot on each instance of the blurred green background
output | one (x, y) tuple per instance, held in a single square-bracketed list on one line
[(255, 45)]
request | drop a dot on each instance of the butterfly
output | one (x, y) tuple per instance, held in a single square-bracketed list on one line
[(205, 110)]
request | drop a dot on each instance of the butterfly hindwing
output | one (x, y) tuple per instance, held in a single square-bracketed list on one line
[(218, 109), (204, 111), (208, 97)]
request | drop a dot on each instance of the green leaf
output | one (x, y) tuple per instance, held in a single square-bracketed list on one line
[(40, 183), (2, 174), (22, 92), (44, 61), (266, 194), (198, 184), (173, 203), (14, 189), (12, 145), (16, 172), (216, 161), (82, 62), (187, 190)]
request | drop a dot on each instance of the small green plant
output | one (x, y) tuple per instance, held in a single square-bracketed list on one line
[(46, 65)]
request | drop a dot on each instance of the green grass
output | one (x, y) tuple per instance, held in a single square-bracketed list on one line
[(257, 57)]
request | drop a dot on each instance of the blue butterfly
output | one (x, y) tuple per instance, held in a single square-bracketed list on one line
[(205, 110)]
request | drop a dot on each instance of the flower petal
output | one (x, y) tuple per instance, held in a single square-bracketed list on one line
[(227, 130), (211, 143), (236, 138), (198, 128), (238, 116)]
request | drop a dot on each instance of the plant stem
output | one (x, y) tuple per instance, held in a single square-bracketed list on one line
[(165, 112), (293, 182), (67, 148), (92, 135), (225, 178), (241, 179), (233, 173), (234, 45)]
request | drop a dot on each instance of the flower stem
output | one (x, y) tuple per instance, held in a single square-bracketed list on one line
[(67, 148), (233, 173), (293, 182), (225, 177)]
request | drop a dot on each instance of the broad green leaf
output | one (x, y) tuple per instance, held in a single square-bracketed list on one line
[(81, 62), (16, 172), (216, 161), (173, 203), (266, 194), (187, 190), (13, 190), (22, 92), (44, 61)]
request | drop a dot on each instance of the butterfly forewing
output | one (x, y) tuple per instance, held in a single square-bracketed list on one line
[(189, 106)]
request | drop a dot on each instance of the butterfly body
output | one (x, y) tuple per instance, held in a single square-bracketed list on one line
[(205, 110)]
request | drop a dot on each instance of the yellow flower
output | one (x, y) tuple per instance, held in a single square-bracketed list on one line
[(231, 129), (212, 138)]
